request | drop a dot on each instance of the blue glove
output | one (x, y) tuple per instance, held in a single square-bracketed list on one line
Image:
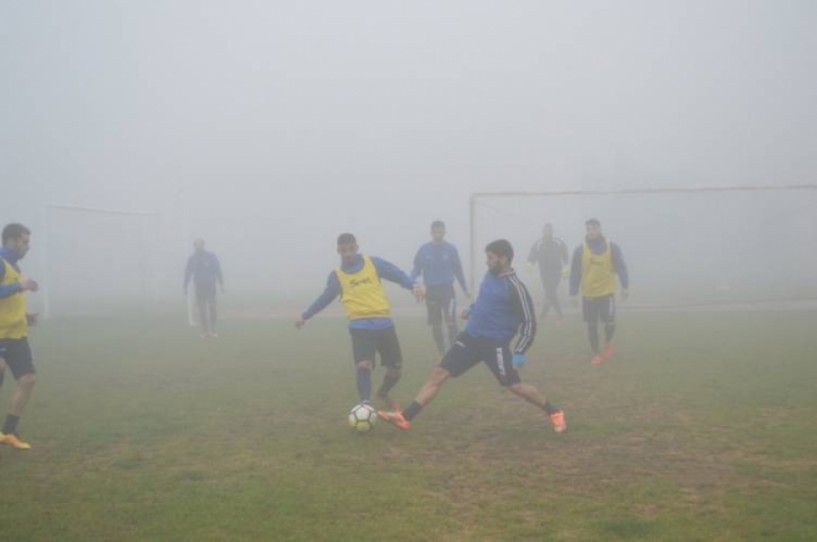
[(518, 360)]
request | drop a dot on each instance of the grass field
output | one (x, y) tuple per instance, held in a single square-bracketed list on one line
[(704, 427)]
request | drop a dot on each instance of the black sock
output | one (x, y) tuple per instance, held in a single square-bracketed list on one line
[(412, 410), (2, 375), (388, 383), (593, 335), (550, 409), (10, 427)]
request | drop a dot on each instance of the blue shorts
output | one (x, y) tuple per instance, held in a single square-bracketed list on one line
[(18, 357)]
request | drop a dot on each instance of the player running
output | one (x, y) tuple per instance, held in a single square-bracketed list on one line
[(439, 263), (594, 268), (550, 254), (358, 283), (15, 352), (205, 270), (502, 310)]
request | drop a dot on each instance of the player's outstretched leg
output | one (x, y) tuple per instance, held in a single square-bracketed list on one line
[(402, 419), (532, 395), (593, 335)]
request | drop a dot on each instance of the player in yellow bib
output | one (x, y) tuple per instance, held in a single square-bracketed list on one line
[(596, 263), (15, 352), (358, 283)]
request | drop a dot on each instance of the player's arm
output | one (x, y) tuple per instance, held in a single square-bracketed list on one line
[(417, 270), (621, 268), (219, 275), (330, 293), (392, 273), (522, 305), (456, 265), (188, 272), (576, 272), (8, 290)]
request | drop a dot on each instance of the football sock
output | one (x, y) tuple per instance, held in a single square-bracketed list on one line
[(412, 410), (364, 384), (437, 332), (609, 330), (549, 408), (10, 427), (2, 375), (388, 383), (593, 335)]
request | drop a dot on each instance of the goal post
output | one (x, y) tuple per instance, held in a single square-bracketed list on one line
[(683, 245), (114, 245)]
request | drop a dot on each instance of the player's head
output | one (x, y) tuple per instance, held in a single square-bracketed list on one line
[(17, 237), (547, 230), (593, 228), (347, 247), (198, 245), (438, 231), (499, 256)]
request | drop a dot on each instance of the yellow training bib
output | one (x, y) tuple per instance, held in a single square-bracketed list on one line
[(362, 293), (13, 323), (598, 273)]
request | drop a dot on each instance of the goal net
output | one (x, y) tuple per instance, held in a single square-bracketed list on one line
[(99, 261), (683, 247)]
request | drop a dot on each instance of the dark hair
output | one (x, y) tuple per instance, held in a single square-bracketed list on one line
[(14, 231), (593, 222), (346, 238), (438, 224), (500, 247)]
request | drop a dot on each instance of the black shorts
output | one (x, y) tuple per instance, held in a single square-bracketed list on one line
[(205, 294), (468, 351), (18, 357), (366, 343), (441, 302), (595, 309)]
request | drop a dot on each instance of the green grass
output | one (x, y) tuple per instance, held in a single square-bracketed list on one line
[(704, 427)]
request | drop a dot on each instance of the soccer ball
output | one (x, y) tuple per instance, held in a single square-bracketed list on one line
[(362, 417)]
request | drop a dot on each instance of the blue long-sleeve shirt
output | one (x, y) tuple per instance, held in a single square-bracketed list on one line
[(502, 310), (440, 264), (597, 248), (385, 270), (12, 258), (205, 270)]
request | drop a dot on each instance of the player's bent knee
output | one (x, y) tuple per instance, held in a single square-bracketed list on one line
[(365, 365), (28, 379)]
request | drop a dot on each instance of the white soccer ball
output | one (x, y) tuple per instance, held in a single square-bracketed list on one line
[(362, 417)]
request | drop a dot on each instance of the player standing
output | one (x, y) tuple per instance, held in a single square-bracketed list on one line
[(358, 283), (15, 351), (502, 310), (205, 270), (439, 263), (593, 270), (550, 254)]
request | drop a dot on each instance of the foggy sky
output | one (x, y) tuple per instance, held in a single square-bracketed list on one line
[(294, 121)]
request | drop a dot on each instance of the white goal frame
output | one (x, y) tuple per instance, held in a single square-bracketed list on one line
[(48, 210), (477, 196)]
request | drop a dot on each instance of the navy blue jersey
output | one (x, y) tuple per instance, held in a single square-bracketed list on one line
[(502, 309), (439, 263)]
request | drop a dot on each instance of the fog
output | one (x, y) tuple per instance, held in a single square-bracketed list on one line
[(267, 128)]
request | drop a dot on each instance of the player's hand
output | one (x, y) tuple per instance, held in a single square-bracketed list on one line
[(518, 360), (625, 294), (419, 292), (32, 319), (29, 285), (465, 314), (300, 322)]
